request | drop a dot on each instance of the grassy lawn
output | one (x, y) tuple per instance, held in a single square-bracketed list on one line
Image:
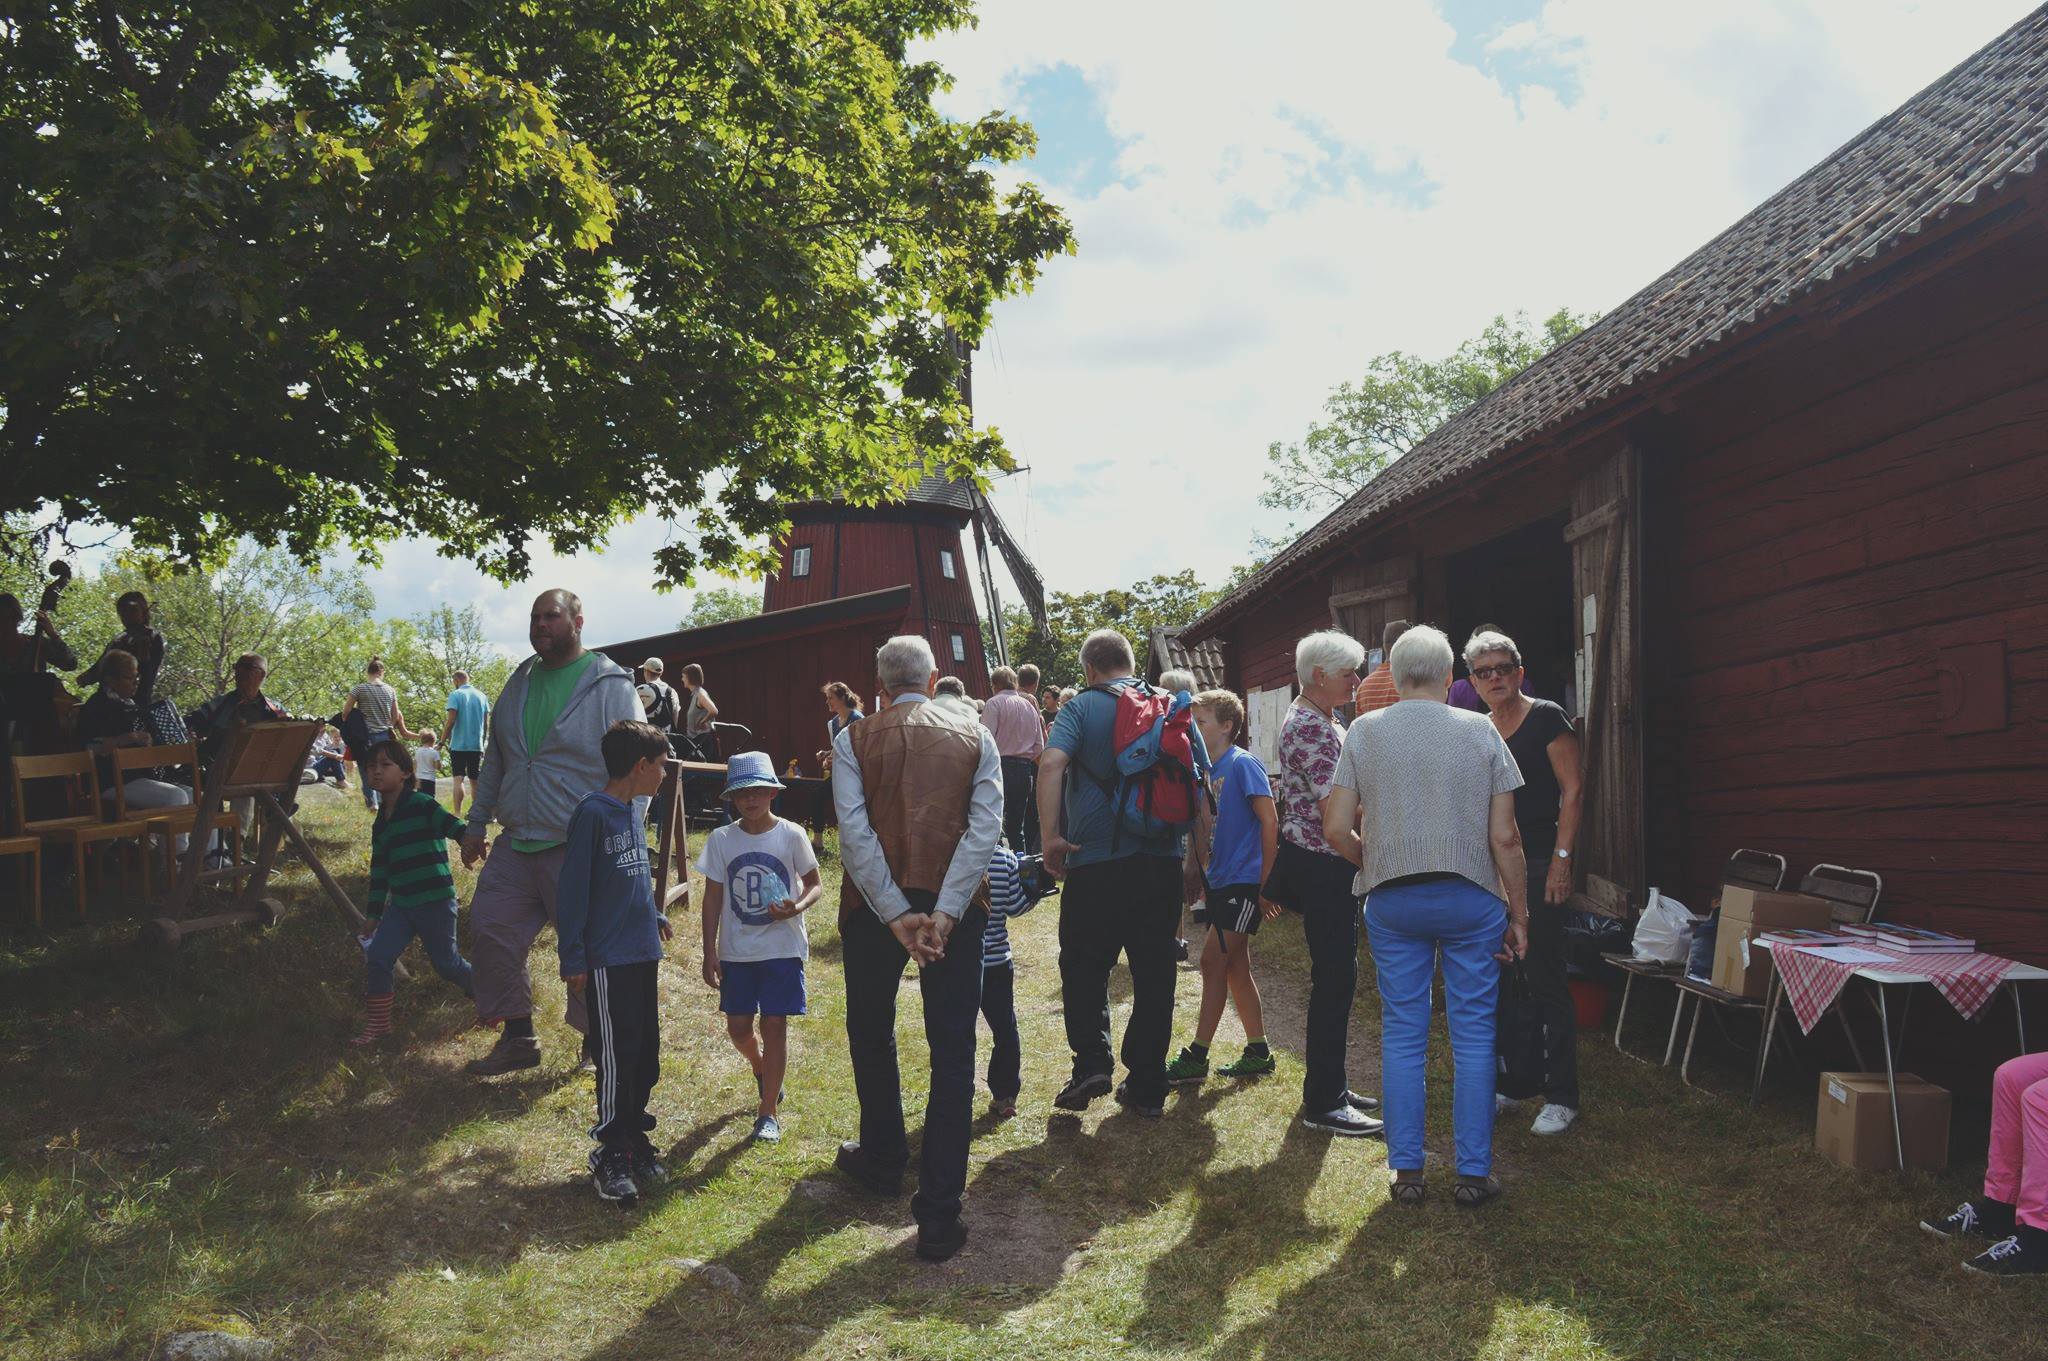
[(188, 1141)]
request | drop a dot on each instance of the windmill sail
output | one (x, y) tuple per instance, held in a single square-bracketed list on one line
[(1021, 571)]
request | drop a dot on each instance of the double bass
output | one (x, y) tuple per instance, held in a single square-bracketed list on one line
[(42, 710)]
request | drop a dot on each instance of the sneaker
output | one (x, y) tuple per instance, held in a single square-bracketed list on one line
[(1135, 1106), (767, 1130), (865, 1172), (611, 1172), (1180, 949), (1965, 1221), (1076, 1095), (2025, 1253), (1364, 1103), (1000, 1109), (1503, 1103), (1343, 1121), (936, 1245), (1248, 1065), (648, 1168), (1186, 1068), (1554, 1119), (508, 1055)]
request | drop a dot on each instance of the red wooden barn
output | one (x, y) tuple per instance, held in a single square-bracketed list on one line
[(1774, 526), (850, 578)]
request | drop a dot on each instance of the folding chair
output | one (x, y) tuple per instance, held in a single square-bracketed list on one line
[(1853, 895), (77, 830), (1746, 868), (30, 847), (181, 820)]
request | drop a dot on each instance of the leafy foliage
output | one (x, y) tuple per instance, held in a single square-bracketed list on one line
[(327, 271), (1368, 424), (1157, 602), (720, 604)]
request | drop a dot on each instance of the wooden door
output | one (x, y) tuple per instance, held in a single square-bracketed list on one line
[(1366, 597), (1605, 683)]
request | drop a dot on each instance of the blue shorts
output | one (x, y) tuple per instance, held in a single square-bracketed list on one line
[(773, 987)]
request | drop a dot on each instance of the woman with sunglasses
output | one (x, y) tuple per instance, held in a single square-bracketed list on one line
[(1540, 736)]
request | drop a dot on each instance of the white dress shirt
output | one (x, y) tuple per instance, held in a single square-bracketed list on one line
[(860, 849)]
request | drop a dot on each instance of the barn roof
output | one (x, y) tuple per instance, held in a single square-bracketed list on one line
[(1170, 650), (890, 602), (1963, 137)]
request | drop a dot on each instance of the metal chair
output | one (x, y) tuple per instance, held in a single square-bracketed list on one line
[(77, 830), (1853, 895), (1747, 868)]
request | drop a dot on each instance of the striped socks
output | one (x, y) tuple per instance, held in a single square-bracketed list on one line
[(378, 1025)]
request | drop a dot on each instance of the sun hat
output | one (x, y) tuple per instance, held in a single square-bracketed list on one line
[(750, 770)]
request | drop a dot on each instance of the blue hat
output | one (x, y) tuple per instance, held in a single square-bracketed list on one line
[(749, 770)]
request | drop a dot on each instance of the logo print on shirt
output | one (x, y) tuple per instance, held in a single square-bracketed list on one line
[(753, 881)]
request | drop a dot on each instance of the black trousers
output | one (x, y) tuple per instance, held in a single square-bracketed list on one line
[(1130, 907), (1006, 1048), (1318, 886), (1548, 986), (874, 961), (626, 1023), (1020, 804)]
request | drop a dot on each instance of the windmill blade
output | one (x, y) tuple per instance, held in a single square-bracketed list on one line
[(1029, 586)]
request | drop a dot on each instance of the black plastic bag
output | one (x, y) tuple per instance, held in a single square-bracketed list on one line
[(1589, 935), (1519, 1057)]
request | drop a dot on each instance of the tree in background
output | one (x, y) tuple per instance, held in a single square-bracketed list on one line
[(1156, 602), (423, 653), (1368, 424), (315, 272), (719, 605)]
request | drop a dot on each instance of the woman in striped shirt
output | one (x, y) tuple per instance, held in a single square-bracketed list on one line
[(412, 890)]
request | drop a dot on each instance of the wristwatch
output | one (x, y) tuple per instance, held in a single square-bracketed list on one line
[(1563, 854)]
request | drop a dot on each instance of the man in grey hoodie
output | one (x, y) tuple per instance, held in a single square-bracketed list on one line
[(542, 758)]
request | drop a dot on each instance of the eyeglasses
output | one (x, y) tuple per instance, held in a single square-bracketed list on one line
[(1489, 672)]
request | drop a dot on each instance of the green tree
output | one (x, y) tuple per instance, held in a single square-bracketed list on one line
[(422, 653), (1157, 602), (1368, 424), (317, 272), (719, 604)]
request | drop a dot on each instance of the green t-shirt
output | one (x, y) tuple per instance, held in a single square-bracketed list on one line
[(547, 694)]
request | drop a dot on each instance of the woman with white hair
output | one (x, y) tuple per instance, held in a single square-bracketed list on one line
[(1312, 874), (1540, 737), (1430, 792)]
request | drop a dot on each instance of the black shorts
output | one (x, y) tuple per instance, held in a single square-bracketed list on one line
[(466, 765), (1232, 907), (427, 788)]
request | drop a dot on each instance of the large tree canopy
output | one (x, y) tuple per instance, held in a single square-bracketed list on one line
[(335, 271)]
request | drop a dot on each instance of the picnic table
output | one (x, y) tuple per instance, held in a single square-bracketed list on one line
[(1815, 978)]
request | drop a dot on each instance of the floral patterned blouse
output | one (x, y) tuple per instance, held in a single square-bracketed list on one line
[(1310, 743)]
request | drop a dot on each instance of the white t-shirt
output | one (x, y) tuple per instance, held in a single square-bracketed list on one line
[(426, 762), (755, 872)]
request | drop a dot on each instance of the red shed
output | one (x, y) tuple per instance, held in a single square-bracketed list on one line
[(1773, 527)]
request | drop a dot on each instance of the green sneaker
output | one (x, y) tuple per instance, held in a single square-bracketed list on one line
[(1248, 1065), (1186, 1069)]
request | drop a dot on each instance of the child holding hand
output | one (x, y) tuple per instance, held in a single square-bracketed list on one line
[(412, 890), (760, 877)]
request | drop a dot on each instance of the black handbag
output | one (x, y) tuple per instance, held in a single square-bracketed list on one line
[(1518, 1048)]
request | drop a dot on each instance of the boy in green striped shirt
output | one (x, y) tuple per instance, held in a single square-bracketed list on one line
[(412, 890)]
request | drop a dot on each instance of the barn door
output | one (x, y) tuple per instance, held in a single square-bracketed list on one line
[(1604, 573), (1365, 598)]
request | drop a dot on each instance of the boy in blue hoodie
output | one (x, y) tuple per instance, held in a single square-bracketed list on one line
[(610, 935)]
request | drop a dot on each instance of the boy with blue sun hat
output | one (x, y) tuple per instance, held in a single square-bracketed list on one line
[(760, 877)]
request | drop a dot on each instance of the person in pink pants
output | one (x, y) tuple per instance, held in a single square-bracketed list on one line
[(2014, 1208)]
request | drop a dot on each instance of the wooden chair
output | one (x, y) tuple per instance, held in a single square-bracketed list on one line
[(1751, 869), (171, 823), (32, 848), (76, 830)]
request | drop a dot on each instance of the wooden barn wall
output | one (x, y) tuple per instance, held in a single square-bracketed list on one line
[(1842, 540), (1259, 645)]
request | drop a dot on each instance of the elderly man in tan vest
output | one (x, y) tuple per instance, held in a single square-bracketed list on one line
[(919, 790)]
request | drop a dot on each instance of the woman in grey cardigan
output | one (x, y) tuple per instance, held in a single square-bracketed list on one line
[(1430, 790)]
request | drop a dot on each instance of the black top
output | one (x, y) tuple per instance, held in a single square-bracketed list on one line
[(102, 716), (1537, 800)]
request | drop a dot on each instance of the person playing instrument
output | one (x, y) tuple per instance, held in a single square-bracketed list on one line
[(140, 640), (38, 649)]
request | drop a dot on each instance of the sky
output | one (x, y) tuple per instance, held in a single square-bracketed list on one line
[(1265, 197)]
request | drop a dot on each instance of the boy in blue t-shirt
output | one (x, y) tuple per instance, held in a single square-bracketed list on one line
[(1240, 857), (609, 934), (760, 875)]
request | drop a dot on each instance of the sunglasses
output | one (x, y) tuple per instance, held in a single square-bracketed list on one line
[(1489, 672)]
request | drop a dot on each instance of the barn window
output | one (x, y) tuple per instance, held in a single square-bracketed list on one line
[(946, 563), (800, 562), (959, 648)]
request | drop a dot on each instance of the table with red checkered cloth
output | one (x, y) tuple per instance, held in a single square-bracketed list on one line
[(1813, 981)]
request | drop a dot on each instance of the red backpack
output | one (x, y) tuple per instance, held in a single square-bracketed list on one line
[(1158, 772)]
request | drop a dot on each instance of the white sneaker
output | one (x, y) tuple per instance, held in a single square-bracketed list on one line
[(1553, 1119), (1503, 1103)]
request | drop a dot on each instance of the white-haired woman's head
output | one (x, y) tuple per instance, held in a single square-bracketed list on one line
[(1421, 663), (1489, 640), (1326, 665)]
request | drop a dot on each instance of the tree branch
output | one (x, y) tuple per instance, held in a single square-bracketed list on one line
[(107, 32)]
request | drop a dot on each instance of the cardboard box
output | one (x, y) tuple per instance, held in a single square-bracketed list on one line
[(1747, 913), (1854, 1126)]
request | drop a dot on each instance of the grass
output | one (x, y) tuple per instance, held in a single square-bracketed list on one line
[(188, 1141)]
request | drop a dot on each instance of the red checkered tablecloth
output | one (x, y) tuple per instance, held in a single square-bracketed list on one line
[(1813, 981)]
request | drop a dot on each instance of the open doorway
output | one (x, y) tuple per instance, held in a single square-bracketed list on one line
[(1521, 584)]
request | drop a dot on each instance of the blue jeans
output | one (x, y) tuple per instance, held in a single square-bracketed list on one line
[(376, 735), (435, 926), (1409, 925)]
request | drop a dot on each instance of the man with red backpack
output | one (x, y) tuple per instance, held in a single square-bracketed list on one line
[(1118, 786)]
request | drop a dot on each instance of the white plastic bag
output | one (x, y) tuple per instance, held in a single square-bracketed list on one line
[(1664, 932)]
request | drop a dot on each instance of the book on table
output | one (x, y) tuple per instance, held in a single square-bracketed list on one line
[(1861, 930), (1919, 940), (1808, 936)]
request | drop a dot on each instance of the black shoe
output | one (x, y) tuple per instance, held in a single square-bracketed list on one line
[(648, 1168), (1973, 1219), (508, 1055), (1472, 1192), (589, 1063), (611, 1172), (936, 1245), (1343, 1121), (1180, 949), (1135, 1106), (1364, 1103), (865, 1173), (1076, 1095), (2023, 1254)]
